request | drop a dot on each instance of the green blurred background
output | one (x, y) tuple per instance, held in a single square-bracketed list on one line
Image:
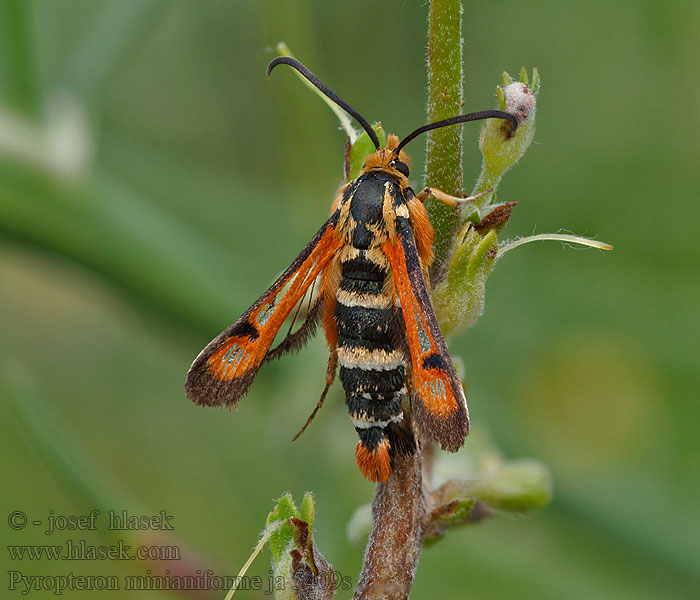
[(153, 182)]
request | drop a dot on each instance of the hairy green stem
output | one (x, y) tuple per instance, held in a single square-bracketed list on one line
[(400, 505), (443, 160)]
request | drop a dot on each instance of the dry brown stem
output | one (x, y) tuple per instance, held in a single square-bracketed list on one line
[(399, 513)]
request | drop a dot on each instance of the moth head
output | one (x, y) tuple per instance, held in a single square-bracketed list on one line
[(387, 159), (399, 160)]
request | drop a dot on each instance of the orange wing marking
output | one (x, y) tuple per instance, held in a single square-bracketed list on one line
[(240, 353)]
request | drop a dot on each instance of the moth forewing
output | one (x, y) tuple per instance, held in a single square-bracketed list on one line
[(222, 373), (439, 404)]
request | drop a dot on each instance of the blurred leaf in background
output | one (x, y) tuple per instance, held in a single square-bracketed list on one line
[(153, 182)]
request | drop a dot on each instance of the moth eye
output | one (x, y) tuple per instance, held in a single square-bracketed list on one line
[(400, 166)]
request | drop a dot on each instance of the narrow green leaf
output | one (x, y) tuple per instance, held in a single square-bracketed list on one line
[(308, 509), (362, 148), (556, 237), (343, 117), (523, 76)]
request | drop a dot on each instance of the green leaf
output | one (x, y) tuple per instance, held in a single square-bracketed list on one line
[(521, 486), (299, 569), (362, 148), (343, 118), (281, 539), (459, 299), (523, 76), (308, 509), (453, 512)]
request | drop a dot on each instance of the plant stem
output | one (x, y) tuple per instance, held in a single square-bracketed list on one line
[(398, 513), (443, 161), (400, 508)]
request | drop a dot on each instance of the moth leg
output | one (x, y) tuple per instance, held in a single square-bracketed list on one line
[(445, 198), (330, 377)]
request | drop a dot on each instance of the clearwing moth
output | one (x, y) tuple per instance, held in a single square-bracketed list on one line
[(370, 261)]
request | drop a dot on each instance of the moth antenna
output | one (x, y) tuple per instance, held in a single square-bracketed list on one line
[(295, 64), (475, 116)]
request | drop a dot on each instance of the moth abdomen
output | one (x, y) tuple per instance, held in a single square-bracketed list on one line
[(372, 367)]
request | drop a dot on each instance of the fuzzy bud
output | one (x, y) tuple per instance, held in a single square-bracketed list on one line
[(519, 101), (500, 148)]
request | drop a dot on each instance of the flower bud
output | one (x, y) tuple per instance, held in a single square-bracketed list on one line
[(500, 148)]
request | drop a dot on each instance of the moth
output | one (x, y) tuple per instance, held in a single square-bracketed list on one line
[(370, 263)]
